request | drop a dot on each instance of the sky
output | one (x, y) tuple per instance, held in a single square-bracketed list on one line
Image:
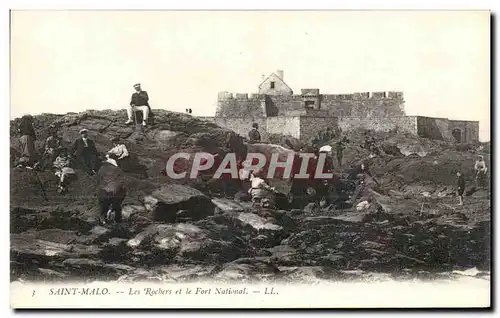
[(70, 61)]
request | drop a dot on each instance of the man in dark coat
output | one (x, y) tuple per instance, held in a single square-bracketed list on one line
[(139, 102), (86, 153), (111, 189), (254, 135)]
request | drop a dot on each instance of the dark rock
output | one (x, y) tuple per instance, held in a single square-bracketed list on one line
[(242, 196), (95, 269), (165, 202)]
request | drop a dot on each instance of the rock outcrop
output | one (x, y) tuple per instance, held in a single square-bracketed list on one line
[(183, 230)]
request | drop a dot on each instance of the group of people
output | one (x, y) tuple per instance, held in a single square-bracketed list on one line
[(82, 154)]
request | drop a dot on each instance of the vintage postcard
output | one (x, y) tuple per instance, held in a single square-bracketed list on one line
[(250, 159)]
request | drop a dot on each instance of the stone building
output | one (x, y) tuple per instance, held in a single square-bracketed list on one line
[(276, 109)]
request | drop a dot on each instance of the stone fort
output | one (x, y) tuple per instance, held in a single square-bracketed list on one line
[(277, 110)]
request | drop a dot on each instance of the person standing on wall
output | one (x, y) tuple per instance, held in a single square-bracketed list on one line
[(254, 134), (138, 102)]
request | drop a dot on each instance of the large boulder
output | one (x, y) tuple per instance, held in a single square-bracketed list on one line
[(173, 202)]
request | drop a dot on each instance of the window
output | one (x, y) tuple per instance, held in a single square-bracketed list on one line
[(272, 84), (309, 104)]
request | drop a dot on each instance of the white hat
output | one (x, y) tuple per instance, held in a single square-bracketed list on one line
[(83, 130), (137, 85), (326, 148)]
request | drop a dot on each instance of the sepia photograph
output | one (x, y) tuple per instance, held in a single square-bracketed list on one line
[(250, 159)]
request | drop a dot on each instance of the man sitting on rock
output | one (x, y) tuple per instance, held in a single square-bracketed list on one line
[(138, 102), (111, 190), (86, 153)]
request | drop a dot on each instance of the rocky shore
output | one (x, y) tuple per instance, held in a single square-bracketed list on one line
[(179, 231)]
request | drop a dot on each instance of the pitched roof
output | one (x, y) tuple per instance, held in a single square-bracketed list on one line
[(277, 77)]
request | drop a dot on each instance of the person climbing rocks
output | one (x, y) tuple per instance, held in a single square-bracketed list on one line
[(120, 150), (86, 153), (64, 171), (481, 169), (261, 193), (138, 102), (111, 190), (254, 134), (460, 187), (340, 146), (27, 142)]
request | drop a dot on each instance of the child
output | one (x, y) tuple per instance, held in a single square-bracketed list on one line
[(63, 170), (460, 188), (261, 193)]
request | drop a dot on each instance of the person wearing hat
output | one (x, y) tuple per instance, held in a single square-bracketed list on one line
[(254, 135), (138, 102), (85, 152)]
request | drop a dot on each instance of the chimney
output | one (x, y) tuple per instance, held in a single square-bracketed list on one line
[(280, 74), (262, 77)]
